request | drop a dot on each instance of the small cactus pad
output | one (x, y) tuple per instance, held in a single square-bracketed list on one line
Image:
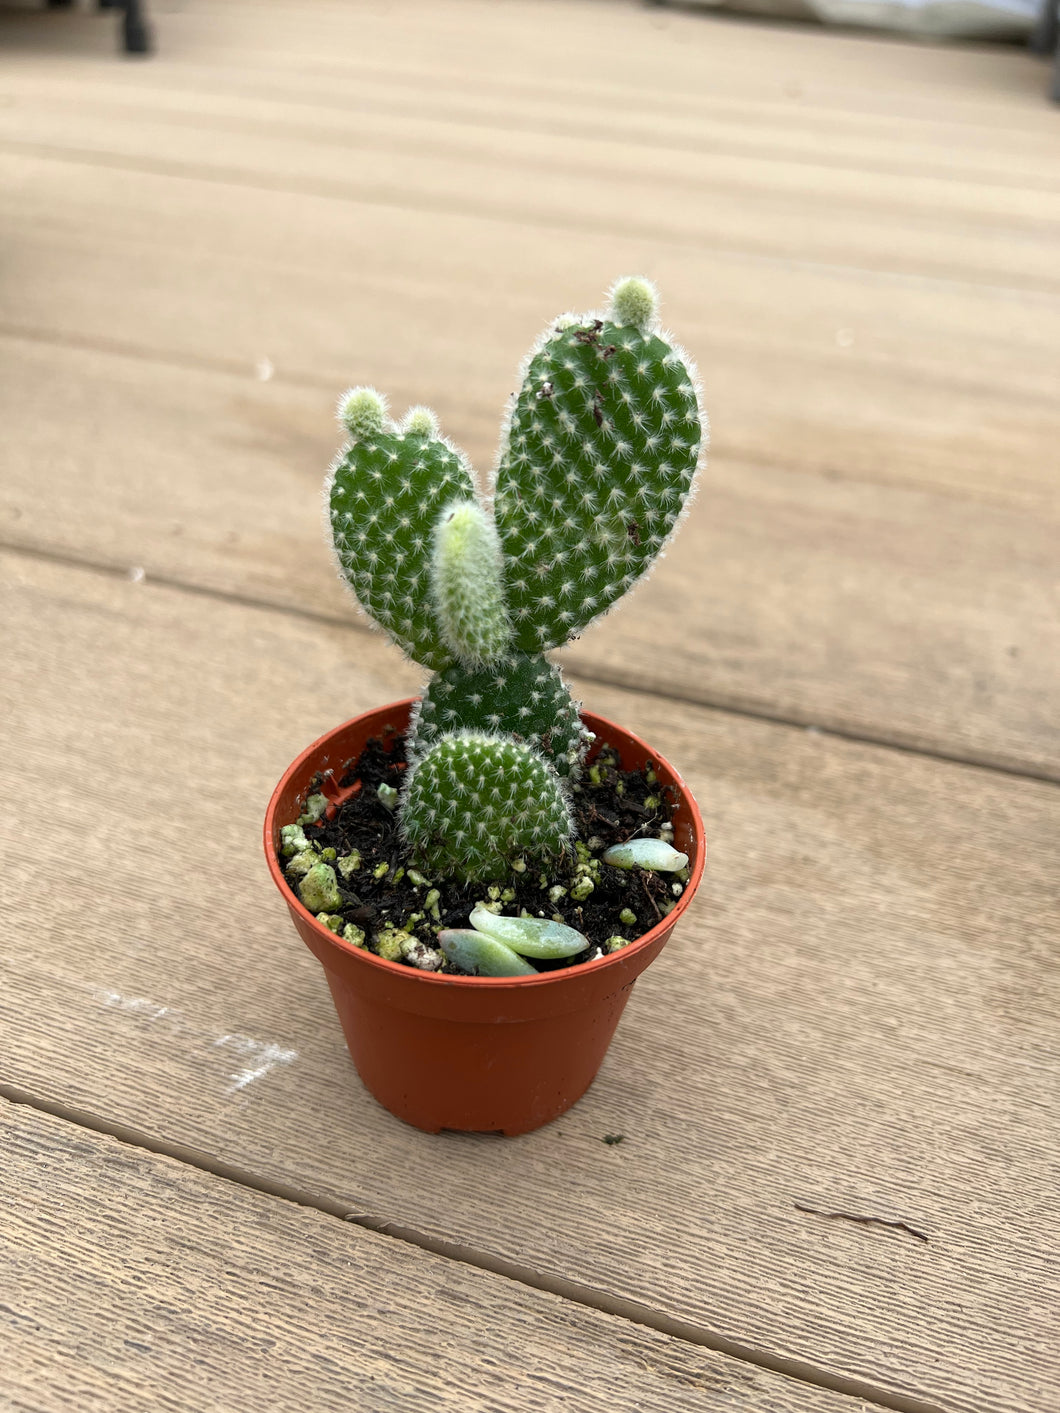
[(522, 695), (384, 494), (466, 580), (597, 464), (474, 804)]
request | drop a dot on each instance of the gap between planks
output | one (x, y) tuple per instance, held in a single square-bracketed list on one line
[(718, 703), (573, 1291)]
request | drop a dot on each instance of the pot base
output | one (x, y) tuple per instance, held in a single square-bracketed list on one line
[(462, 1076)]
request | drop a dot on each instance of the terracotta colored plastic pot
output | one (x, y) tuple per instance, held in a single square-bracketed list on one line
[(480, 1054)]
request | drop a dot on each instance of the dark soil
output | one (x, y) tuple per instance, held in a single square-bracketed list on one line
[(621, 805)]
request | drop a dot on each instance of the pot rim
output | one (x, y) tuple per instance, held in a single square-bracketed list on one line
[(619, 959)]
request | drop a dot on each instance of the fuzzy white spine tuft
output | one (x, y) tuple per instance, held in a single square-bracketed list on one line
[(419, 422), (634, 303), (363, 412)]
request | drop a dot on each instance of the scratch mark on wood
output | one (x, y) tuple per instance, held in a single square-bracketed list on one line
[(263, 1056), (862, 1221), (134, 1003)]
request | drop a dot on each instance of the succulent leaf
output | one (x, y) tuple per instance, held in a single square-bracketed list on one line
[(649, 853), (479, 955), (530, 936)]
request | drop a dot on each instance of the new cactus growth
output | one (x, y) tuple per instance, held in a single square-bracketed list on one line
[(476, 803), (596, 465)]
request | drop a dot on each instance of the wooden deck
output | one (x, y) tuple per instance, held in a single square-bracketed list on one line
[(839, 1187)]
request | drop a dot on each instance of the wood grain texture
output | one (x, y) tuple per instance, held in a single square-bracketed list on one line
[(861, 265), (588, 60), (859, 1017), (132, 1282)]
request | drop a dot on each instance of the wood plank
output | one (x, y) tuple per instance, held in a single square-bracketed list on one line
[(907, 612), (608, 48), (859, 1017), (131, 1281), (833, 372), (993, 233), (729, 106)]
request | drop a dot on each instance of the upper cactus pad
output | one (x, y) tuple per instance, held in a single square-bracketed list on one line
[(384, 494), (598, 461)]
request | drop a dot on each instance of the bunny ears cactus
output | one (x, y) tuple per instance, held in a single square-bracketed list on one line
[(596, 465)]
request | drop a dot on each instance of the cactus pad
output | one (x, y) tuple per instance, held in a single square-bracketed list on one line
[(384, 494), (598, 461), (522, 695), (474, 804)]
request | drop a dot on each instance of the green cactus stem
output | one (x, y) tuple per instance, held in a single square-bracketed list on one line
[(595, 468), (474, 803), (524, 696)]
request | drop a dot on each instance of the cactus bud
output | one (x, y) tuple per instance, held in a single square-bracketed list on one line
[(362, 411), (633, 304), (419, 422), (466, 584)]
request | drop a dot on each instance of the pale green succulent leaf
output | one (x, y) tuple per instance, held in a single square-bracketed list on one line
[(479, 955), (652, 854), (530, 936)]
